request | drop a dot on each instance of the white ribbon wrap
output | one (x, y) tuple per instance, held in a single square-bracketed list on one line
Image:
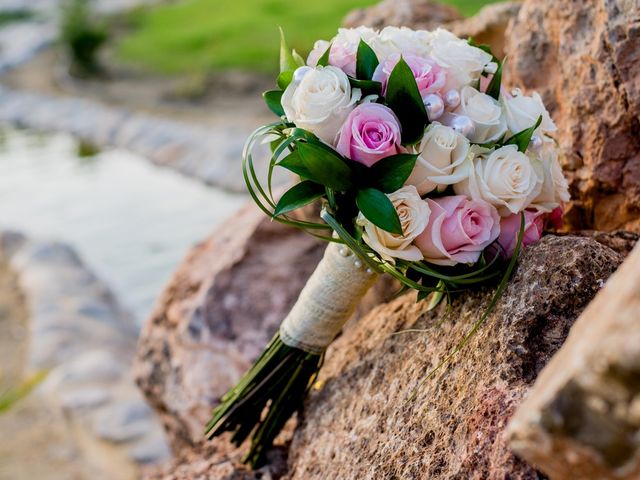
[(329, 298)]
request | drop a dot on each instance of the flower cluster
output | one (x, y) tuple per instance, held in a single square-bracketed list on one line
[(416, 147)]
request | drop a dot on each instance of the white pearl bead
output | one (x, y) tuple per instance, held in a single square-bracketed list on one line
[(358, 264), (535, 143), (369, 271), (300, 72), (452, 99), (435, 106), (463, 125), (491, 67), (344, 252)]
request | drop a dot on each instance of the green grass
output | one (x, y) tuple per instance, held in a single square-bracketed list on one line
[(202, 35)]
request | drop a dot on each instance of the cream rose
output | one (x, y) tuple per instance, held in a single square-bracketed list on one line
[(414, 216), (464, 62), (442, 151), (555, 189), (506, 178), (486, 114), (320, 102), (522, 111), (401, 41)]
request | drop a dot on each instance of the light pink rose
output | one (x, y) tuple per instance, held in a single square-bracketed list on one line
[(342, 55), (458, 230), (510, 227), (370, 133), (429, 76)]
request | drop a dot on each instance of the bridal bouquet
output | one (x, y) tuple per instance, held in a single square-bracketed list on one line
[(426, 169)]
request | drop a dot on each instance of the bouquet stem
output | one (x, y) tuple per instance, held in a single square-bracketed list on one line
[(276, 385)]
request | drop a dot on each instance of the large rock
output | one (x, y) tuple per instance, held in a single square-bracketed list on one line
[(582, 417), (584, 58), (362, 421)]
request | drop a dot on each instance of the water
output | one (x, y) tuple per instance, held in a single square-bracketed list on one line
[(132, 222)]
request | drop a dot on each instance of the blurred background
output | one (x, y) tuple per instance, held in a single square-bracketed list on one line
[(122, 124)]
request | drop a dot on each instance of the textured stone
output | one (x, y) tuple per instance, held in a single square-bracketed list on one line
[(417, 14), (584, 59), (361, 422), (582, 416)]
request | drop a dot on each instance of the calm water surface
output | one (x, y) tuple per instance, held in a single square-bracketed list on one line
[(131, 221)]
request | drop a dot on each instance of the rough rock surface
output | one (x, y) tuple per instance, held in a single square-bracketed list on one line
[(419, 14), (582, 416), (362, 423), (584, 59)]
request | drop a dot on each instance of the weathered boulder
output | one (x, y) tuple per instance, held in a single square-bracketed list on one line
[(582, 416), (418, 14), (584, 59), (362, 422)]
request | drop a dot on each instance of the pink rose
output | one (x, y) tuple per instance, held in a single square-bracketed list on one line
[(342, 55), (510, 227), (458, 230), (429, 76), (370, 133)]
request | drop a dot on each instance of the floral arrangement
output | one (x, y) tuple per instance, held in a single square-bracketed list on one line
[(426, 169)]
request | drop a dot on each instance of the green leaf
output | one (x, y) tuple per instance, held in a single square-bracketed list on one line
[(482, 46), (493, 90), (366, 61), (287, 62), (298, 196), (403, 97), (324, 59), (368, 87), (390, 173), (379, 210), (522, 139), (273, 99), (293, 163), (298, 58), (284, 79), (325, 166)]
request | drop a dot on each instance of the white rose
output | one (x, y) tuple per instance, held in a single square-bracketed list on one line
[(414, 216), (401, 40), (442, 151), (321, 102), (463, 62), (555, 189), (506, 178), (522, 111), (486, 114)]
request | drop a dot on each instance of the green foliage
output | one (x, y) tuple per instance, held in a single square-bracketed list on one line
[(493, 90), (390, 173), (403, 97), (298, 196), (81, 36), (323, 61), (9, 398), (188, 35), (522, 139), (366, 61), (273, 100), (379, 210), (11, 16)]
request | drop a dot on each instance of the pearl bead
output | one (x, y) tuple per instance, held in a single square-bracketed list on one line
[(369, 271), (300, 72), (491, 67), (344, 252), (463, 125), (452, 99), (358, 264), (435, 106), (535, 143)]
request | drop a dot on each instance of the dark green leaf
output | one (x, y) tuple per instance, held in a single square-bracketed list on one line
[(522, 139), (298, 196), (403, 97), (493, 90), (390, 173), (287, 62), (324, 59), (482, 46), (366, 61), (284, 79), (368, 87), (325, 166), (273, 98), (379, 210), (293, 163)]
